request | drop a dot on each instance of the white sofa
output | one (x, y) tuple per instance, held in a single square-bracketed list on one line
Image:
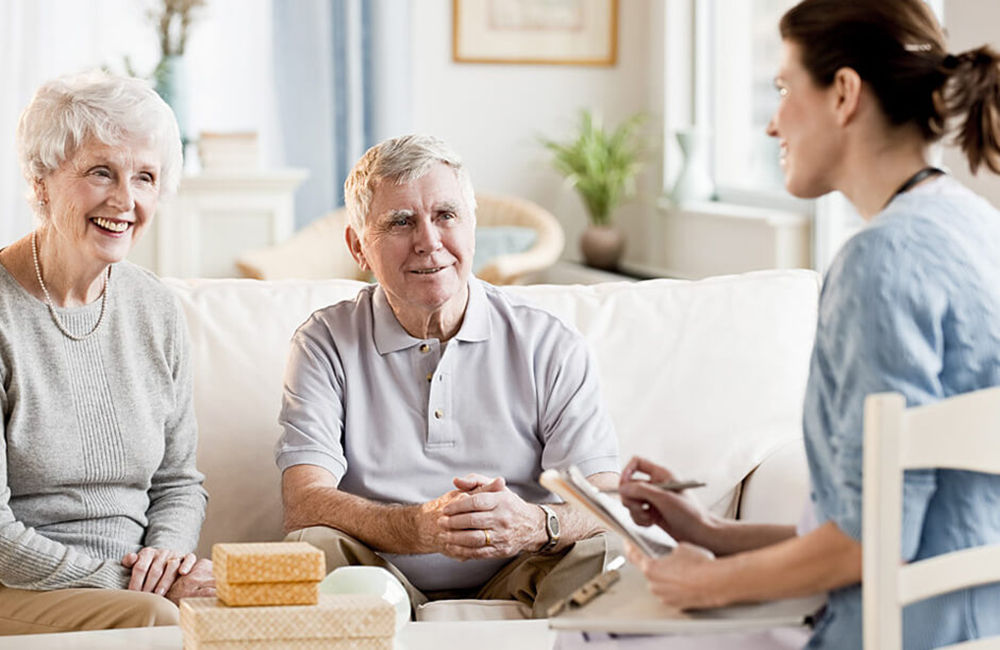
[(707, 377)]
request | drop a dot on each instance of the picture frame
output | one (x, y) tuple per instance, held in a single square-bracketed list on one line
[(561, 32)]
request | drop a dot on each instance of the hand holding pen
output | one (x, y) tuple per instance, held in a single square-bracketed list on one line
[(654, 496)]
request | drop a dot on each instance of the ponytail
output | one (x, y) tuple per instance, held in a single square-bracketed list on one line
[(971, 95)]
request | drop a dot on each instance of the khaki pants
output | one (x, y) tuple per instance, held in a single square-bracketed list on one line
[(70, 610), (536, 580)]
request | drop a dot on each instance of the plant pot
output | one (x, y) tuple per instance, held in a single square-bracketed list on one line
[(602, 246)]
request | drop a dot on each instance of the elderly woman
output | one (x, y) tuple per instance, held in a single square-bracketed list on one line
[(102, 502), (911, 304)]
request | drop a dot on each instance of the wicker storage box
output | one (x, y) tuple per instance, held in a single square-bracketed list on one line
[(283, 573), (355, 621)]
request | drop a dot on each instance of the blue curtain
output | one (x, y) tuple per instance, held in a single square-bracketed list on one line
[(325, 80)]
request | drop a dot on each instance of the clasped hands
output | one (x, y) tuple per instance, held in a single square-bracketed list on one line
[(169, 574), (480, 518)]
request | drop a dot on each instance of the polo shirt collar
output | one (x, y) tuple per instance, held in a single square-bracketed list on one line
[(391, 337)]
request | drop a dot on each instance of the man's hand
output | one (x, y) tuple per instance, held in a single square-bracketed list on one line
[(484, 519), (197, 583), (155, 569), (431, 537)]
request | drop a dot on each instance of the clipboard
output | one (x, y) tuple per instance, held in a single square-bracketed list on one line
[(620, 602), (573, 487), (628, 607)]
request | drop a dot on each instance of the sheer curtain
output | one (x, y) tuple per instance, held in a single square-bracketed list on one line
[(40, 39), (342, 82), (229, 63)]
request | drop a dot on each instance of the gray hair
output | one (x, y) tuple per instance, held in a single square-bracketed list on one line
[(67, 111), (399, 160)]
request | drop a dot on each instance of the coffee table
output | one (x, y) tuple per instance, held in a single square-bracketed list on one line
[(460, 635), (481, 635)]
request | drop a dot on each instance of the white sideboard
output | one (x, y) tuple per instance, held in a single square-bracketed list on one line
[(216, 216), (712, 238)]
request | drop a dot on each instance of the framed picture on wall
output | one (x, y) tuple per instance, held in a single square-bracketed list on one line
[(572, 32)]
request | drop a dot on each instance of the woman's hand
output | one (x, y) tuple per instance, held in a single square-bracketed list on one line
[(682, 578), (675, 512), (197, 583), (155, 569)]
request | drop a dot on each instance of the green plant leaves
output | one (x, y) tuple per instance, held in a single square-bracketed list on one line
[(600, 164)]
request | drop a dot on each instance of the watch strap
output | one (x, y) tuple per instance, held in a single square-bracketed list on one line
[(551, 529)]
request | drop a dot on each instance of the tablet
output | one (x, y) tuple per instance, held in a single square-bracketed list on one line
[(573, 487)]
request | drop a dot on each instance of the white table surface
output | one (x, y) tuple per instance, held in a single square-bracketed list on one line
[(465, 635)]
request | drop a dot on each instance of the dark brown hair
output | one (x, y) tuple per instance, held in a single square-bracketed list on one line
[(898, 49)]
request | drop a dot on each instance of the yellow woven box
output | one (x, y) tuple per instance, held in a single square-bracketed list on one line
[(361, 618), (268, 593), (267, 562)]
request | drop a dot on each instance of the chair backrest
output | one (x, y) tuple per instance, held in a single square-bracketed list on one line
[(508, 211), (317, 252), (961, 432)]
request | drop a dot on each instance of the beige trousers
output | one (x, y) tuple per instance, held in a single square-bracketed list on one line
[(536, 580), (70, 610)]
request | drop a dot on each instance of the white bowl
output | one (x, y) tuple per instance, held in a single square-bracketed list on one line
[(369, 580)]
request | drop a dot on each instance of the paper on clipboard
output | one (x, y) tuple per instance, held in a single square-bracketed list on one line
[(574, 488)]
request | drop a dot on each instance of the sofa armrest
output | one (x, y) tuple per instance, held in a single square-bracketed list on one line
[(777, 490)]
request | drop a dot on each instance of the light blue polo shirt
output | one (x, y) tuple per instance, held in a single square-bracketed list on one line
[(395, 418)]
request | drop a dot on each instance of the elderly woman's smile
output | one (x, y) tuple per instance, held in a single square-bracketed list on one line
[(103, 196)]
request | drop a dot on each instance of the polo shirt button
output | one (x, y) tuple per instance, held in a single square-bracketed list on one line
[(439, 414), (424, 347), (430, 376)]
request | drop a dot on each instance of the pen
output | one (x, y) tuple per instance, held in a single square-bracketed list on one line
[(670, 486)]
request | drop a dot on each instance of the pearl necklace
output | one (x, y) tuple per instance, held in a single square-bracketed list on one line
[(48, 298)]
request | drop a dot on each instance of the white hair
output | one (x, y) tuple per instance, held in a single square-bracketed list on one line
[(66, 112), (399, 160)]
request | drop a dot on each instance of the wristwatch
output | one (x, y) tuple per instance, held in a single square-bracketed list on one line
[(551, 528)]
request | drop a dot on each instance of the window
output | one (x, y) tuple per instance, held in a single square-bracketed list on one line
[(734, 49), (744, 48)]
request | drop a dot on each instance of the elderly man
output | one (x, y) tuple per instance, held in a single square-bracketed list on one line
[(418, 416)]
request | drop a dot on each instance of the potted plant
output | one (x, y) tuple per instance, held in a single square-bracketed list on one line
[(602, 165)]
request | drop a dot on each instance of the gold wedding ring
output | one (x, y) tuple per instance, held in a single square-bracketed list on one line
[(486, 532)]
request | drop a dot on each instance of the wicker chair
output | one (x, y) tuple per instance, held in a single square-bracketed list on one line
[(319, 251)]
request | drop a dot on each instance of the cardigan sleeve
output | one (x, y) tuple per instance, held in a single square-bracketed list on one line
[(177, 499)]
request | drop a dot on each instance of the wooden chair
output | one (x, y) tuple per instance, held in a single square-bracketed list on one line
[(962, 433)]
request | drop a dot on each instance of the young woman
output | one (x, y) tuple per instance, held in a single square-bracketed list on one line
[(911, 304)]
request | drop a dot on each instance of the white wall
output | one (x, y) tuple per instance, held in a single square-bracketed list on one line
[(493, 114), (971, 24)]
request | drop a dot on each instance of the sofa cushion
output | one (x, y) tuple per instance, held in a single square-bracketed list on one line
[(470, 609), (707, 377)]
